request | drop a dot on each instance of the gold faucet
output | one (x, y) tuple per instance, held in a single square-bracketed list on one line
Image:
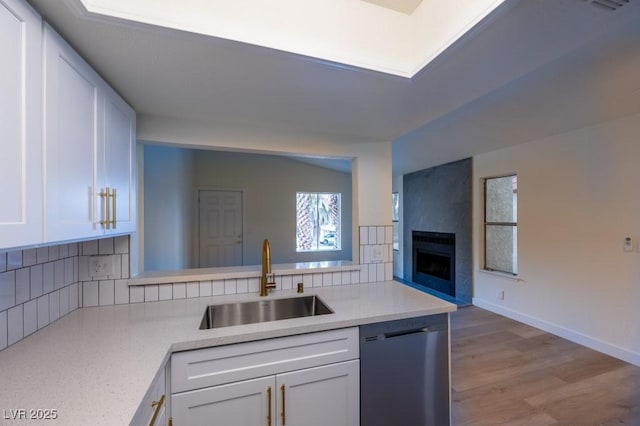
[(265, 284)]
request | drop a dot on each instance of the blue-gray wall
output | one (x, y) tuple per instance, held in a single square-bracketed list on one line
[(439, 199)]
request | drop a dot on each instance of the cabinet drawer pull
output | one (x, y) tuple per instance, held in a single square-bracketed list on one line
[(269, 406), (113, 211), (284, 410), (157, 405), (106, 194)]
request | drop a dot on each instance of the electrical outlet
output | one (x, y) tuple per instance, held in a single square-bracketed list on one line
[(500, 294), (376, 253), (100, 266)]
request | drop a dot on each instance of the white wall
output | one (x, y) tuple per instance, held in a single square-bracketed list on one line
[(578, 198)]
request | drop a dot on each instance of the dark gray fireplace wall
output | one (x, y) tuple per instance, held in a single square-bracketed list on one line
[(439, 199)]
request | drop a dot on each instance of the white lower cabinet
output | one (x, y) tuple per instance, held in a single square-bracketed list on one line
[(327, 395), (154, 408), (314, 380), (249, 402)]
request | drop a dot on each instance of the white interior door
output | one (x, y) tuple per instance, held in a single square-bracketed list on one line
[(220, 228)]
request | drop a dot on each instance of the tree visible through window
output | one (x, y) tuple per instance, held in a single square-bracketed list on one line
[(318, 221), (501, 224)]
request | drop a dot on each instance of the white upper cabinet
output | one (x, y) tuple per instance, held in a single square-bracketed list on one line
[(117, 170), (20, 125), (72, 139), (90, 150)]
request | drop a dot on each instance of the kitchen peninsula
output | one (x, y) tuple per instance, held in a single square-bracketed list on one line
[(96, 365)]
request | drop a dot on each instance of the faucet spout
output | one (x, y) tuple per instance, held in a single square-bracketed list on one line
[(266, 278)]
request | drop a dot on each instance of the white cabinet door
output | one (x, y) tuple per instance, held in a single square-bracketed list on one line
[(117, 170), (20, 125), (72, 139), (90, 146), (249, 402), (320, 396), (154, 408)]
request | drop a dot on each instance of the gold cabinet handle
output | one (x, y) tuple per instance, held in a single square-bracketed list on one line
[(107, 195), (157, 405), (269, 407), (113, 212), (284, 410)]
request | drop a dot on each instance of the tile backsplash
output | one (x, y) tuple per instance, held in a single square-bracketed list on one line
[(376, 253), (41, 285), (37, 287)]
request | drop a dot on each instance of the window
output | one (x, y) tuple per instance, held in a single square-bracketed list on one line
[(395, 218), (318, 221), (501, 224)]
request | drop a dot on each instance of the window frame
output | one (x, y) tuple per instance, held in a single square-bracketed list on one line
[(487, 223), (317, 249), (395, 220)]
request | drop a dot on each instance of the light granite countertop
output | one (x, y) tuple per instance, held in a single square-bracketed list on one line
[(231, 272), (95, 365)]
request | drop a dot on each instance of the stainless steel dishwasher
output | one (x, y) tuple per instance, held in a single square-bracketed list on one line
[(404, 372)]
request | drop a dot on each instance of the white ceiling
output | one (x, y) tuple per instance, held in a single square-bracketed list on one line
[(528, 70), (402, 6), (354, 32)]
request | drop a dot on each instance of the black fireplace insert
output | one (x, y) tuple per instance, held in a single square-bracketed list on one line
[(434, 261)]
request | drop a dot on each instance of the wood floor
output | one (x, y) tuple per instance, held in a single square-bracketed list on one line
[(507, 373)]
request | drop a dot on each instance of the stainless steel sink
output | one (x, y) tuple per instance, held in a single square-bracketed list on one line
[(262, 311)]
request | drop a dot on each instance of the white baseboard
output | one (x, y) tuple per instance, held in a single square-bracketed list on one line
[(574, 336)]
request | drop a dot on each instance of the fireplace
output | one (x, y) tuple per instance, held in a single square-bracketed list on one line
[(434, 261)]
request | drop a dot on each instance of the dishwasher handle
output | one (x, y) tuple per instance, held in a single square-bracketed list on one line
[(405, 332), (394, 334)]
